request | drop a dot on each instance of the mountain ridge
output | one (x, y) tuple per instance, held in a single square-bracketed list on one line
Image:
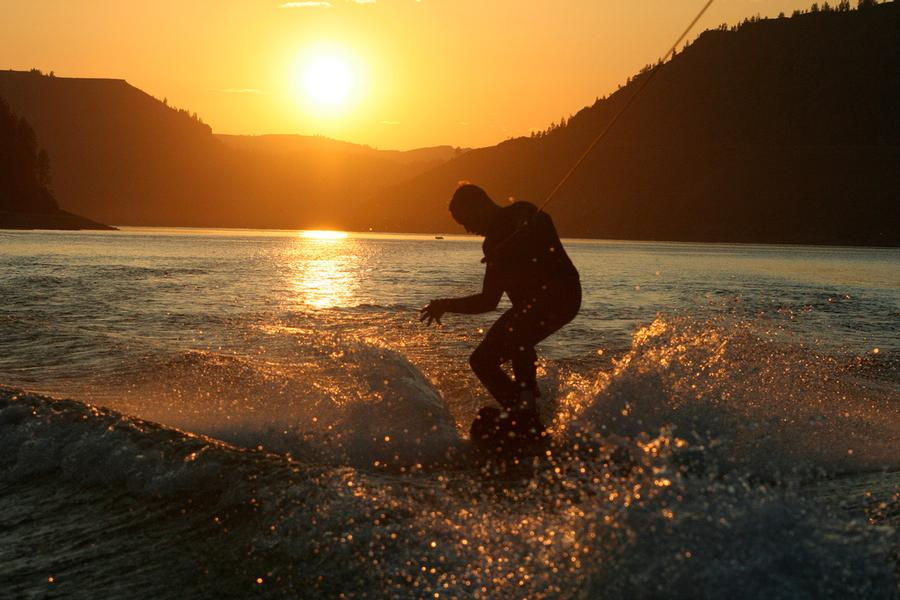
[(778, 131), (122, 156)]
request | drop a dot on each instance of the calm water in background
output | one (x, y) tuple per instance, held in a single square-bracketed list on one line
[(84, 314), (312, 349)]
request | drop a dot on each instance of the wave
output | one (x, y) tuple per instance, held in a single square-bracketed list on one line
[(259, 523), (740, 393), (743, 396), (342, 403), (693, 466)]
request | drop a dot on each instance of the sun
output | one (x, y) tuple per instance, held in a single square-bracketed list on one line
[(328, 80), (323, 234)]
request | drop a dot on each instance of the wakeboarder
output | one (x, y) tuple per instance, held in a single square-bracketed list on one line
[(525, 259)]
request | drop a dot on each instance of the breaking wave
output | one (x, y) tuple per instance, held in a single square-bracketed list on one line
[(711, 459)]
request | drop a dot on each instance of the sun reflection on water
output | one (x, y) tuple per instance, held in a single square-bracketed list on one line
[(325, 275)]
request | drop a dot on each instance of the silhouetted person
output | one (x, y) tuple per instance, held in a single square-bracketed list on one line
[(526, 260)]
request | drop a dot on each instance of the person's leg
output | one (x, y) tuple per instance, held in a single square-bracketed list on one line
[(524, 363), (513, 337), (541, 319), (492, 352)]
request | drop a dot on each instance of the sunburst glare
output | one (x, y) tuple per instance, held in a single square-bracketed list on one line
[(327, 80)]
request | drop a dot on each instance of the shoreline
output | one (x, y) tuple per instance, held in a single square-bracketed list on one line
[(59, 220)]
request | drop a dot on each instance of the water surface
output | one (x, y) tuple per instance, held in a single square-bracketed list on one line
[(740, 380)]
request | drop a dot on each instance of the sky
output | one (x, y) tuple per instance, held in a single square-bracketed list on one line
[(393, 74)]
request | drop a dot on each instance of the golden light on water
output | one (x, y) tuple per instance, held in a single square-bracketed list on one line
[(323, 234), (325, 283), (325, 270)]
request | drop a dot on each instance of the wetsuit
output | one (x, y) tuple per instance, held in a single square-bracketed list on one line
[(526, 260)]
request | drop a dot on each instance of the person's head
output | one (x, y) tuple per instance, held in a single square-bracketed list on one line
[(472, 208)]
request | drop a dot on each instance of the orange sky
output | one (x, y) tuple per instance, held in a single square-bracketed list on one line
[(427, 72)]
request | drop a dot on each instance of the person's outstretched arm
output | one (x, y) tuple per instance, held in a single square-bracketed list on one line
[(485, 301)]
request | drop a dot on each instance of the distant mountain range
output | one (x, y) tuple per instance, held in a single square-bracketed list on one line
[(778, 130), (124, 157)]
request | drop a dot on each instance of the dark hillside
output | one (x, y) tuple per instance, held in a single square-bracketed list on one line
[(119, 155), (784, 130), (122, 156), (26, 201), (24, 168)]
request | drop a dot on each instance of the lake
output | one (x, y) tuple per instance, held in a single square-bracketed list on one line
[(270, 400)]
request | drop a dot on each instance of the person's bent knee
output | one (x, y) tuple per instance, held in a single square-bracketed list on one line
[(481, 359), (476, 360)]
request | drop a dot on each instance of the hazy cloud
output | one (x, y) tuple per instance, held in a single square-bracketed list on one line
[(311, 4)]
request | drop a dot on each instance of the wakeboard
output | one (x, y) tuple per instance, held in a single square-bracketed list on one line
[(502, 434)]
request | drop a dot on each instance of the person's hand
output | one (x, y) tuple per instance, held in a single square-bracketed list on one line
[(433, 311)]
